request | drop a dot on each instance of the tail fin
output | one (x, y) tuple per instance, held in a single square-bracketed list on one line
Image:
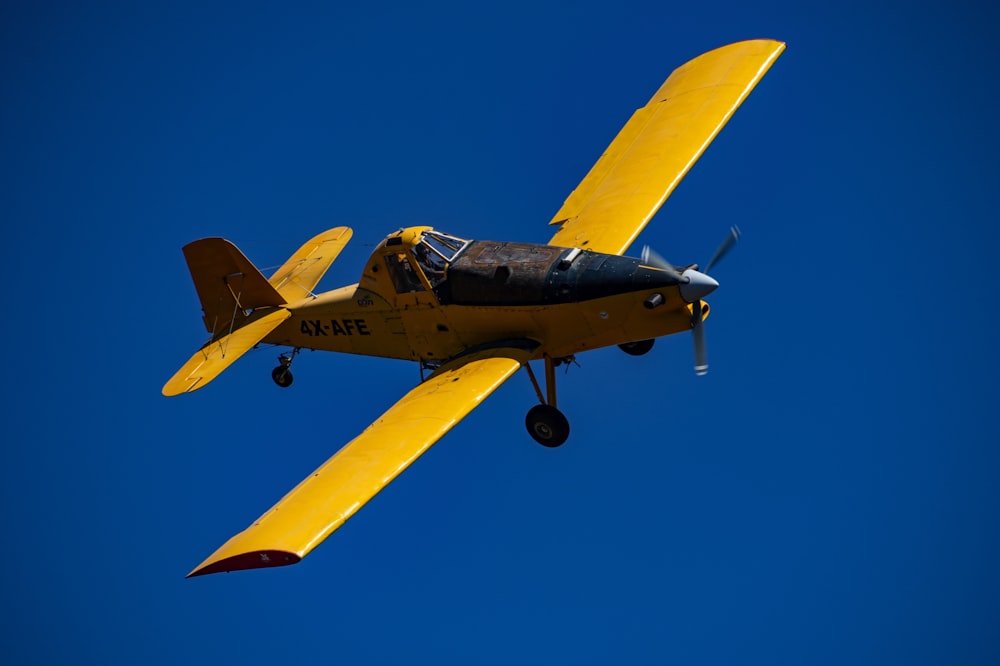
[(229, 286)]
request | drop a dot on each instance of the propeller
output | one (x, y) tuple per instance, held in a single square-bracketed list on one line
[(695, 285), (698, 337), (724, 247), (651, 258), (698, 310)]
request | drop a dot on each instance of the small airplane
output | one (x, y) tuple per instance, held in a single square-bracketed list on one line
[(473, 312)]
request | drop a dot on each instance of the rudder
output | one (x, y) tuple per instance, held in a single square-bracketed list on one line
[(229, 286)]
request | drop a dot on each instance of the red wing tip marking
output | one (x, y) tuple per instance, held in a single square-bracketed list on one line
[(258, 559)]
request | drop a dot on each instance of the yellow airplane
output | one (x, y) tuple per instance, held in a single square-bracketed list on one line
[(472, 312)]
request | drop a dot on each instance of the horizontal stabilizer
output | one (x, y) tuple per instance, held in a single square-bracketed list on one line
[(220, 353), (298, 277)]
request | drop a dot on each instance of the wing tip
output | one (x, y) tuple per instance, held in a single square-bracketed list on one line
[(179, 387), (255, 559)]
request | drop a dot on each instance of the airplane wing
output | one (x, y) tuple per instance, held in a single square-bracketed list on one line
[(219, 354), (344, 483), (298, 276), (658, 145)]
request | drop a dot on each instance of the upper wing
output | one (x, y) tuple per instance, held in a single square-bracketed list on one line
[(298, 276), (222, 352), (658, 145), (356, 473)]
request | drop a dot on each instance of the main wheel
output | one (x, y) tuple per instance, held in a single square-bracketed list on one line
[(282, 376), (636, 348), (547, 425)]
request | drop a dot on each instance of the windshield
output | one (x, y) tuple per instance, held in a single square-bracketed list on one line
[(435, 251), (442, 245)]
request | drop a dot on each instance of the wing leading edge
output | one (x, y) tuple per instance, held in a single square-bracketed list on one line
[(321, 503), (658, 145)]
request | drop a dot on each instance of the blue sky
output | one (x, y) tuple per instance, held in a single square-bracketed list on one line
[(825, 495)]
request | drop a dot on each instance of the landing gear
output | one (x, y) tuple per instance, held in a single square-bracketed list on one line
[(282, 375), (545, 423), (637, 348)]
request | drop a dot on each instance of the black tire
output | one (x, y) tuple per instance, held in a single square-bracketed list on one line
[(282, 376), (547, 425), (637, 348)]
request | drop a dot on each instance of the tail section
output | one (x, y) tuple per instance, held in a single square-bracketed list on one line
[(240, 308)]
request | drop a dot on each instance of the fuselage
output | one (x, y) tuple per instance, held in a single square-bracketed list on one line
[(430, 297)]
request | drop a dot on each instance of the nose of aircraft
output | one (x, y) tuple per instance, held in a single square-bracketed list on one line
[(696, 285)]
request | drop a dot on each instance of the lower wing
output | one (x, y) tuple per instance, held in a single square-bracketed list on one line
[(344, 483)]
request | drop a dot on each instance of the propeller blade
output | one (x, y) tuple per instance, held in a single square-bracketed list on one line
[(698, 336), (651, 258), (726, 245)]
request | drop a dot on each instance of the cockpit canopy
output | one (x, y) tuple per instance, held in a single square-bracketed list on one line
[(431, 252)]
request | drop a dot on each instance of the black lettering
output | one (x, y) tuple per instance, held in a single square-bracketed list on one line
[(318, 328), (304, 328), (337, 329), (349, 325), (362, 327)]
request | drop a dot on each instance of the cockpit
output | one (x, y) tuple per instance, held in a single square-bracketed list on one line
[(428, 253), (426, 263)]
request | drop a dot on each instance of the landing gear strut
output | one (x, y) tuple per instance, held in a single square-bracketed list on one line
[(282, 375), (545, 423)]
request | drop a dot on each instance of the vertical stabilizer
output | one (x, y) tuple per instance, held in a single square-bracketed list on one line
[(229, 286)]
